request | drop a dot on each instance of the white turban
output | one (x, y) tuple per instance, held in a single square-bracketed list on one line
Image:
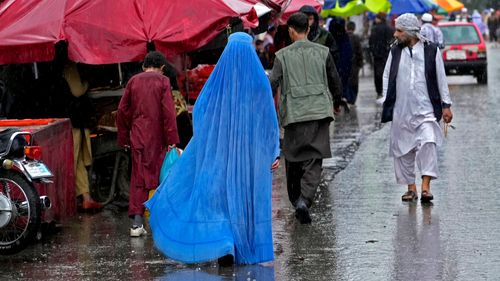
[(409, 24)]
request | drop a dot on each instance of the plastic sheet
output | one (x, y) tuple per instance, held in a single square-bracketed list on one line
[(102, 31), (169, 161), (294, 7)]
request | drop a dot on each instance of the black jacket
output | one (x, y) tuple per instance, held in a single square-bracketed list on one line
[(380, 41)]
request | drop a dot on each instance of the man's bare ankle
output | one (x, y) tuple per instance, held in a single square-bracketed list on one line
[(412, 187)]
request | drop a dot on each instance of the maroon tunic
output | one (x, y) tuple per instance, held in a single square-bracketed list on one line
[(146, 121)]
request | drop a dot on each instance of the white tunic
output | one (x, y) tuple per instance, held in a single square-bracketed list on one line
[(432, 33), (413, 118), (427, 30)]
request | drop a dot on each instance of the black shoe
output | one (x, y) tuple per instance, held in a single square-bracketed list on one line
[(302, 212), (225, 261)]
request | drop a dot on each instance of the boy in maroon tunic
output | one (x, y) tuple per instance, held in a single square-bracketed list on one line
[(146, 122)]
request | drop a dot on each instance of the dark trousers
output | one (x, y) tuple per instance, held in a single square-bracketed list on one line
[(352, 87), (302, 179), (138, 196), (378, 74), (493, 35)]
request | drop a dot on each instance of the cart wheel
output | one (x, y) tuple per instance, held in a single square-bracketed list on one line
[(19, 212), (100, 178)]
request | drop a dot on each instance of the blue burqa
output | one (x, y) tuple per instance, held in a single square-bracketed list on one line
[(216, 199)]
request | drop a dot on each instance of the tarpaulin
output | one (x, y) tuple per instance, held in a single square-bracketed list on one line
[(101, 31), (342, 8), (29, 30), (450, 5), (399, 7), (377, 6), (291, 7), (192, 23)]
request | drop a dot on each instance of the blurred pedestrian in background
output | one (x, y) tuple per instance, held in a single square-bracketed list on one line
[(493, 26), (357, 63), (344, 63), (380, 40)]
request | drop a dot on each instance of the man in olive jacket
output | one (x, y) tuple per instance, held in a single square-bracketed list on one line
[(310, 90)]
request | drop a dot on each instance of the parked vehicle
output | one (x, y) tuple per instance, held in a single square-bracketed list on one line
[(465, 50), (21, 205)]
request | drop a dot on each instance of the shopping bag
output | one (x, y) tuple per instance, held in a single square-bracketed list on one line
[(172, 155)]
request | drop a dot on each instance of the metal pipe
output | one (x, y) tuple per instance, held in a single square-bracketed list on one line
[(35, 70), (120, 74)]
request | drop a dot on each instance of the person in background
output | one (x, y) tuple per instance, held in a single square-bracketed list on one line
[(380, 41), (269, 45), (146, 122), (492, 26), (261, 53), (344, 63), (438, 32), (183, 120), (269, 36), (430, 31), (81, 113), (318, 34), (357, 63), (427, 30), (497, 30), (478, 20), (463, 15)]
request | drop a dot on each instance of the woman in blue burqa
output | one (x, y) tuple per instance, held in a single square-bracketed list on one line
[(216, 200)]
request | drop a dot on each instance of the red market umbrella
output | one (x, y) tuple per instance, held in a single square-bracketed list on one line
[(29, 30), (293, 6), (102, 31)]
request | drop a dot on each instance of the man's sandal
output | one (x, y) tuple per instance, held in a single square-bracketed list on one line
[(409, 196), (426, 196)]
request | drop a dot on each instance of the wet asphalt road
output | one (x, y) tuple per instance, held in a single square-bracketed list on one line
[(360, 231)]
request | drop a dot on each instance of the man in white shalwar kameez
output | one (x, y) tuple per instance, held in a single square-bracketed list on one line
[(416, 97)]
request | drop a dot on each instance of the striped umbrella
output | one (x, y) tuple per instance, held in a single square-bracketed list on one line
[(450, 5)]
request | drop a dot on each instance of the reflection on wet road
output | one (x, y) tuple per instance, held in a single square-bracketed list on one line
[(361, 230)]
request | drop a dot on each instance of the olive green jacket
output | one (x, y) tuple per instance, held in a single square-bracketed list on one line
[(305, 95)]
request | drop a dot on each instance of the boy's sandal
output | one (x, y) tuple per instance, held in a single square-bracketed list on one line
[(409, 196), (426, 196)]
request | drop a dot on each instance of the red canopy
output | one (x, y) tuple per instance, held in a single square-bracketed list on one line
[(29, 30), (294, 7), (103, 31)]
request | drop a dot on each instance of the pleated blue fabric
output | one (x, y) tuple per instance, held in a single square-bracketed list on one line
[(216, 199)]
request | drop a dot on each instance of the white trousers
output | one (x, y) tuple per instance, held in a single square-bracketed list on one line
[(425, 155)]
